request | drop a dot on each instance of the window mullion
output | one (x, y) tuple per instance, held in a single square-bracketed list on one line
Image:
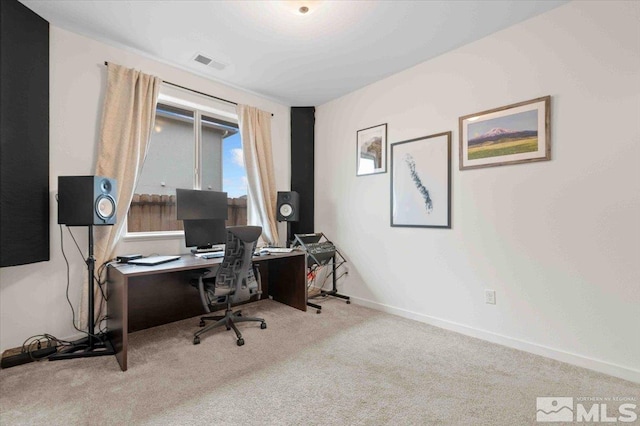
[(197, 131)]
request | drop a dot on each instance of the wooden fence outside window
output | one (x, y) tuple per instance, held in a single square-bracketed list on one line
[(153, 213)]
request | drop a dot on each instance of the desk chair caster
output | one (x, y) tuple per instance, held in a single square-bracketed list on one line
[(240, 341)]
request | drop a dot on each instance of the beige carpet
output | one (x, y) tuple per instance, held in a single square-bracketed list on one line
[(347, 366)]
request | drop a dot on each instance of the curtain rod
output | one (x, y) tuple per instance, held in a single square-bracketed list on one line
[(195, 91)]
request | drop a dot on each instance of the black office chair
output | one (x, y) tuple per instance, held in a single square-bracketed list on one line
[(237, 280)]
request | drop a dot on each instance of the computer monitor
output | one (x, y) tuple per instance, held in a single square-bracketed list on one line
[(204, 233), (204, 214), (196, 204)]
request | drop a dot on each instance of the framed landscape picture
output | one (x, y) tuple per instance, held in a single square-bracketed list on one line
[(517, 133), (371, 150), (421, 182)]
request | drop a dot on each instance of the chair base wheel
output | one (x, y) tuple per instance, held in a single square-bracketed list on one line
[(240, 342), (319, 311), (201, 323), (263, 325), (196, 340), (348, 302)]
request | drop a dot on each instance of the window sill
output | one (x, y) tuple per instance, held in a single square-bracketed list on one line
[(152, 236)]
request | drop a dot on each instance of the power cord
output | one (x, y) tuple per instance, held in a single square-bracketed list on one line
[(66, 261), (34, 348), (73, 312)]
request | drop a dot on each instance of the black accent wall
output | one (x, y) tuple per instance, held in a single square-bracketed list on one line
[(302, 171), (24, 135)]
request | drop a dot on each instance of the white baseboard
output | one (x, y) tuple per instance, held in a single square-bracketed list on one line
[(600, 366)]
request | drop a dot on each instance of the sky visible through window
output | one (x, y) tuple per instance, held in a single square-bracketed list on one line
[(234, 176)]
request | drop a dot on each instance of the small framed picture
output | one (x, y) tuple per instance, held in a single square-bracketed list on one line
[(421, 182), (517, 133), (371, 146)]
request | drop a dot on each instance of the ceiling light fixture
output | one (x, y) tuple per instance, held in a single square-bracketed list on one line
[(302, 7)]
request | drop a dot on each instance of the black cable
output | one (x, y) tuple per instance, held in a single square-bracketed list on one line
[(34, 343), (64, 255), (331, 273), (82, 255), (101, 282), (97, 279), (74, 240), (73, 312), (313, 271)]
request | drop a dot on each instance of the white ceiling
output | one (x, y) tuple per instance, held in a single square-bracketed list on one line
[(297, 60)]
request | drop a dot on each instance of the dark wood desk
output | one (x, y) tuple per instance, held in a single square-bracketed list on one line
[(141, 297)]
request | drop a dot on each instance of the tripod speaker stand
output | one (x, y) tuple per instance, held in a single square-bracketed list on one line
[(92, 345)]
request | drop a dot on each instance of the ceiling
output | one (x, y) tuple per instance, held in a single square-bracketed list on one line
[(299, 60)]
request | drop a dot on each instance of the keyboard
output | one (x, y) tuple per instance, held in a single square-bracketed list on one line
[(216, 248), (279, 250), (153, 260), (210, 255), (273, 250)]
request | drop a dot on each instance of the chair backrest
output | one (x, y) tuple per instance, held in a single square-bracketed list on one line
[(236, 270)]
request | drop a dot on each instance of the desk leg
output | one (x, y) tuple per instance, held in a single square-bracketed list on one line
[(117, 308), (287, 280)]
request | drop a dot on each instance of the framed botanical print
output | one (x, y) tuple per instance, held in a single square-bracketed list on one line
[(421, 182)]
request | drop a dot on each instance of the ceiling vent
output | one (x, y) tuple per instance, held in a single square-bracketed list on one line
[(210, 62)]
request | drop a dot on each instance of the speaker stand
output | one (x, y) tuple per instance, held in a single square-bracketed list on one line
[(288, 234), (92, 345)]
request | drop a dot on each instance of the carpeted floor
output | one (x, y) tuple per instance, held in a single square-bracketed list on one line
[(348, 366)]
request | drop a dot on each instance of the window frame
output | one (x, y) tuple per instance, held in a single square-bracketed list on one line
[(199, 105)]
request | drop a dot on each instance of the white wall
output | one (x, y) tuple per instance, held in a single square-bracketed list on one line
[(559, 241), (32, 297)]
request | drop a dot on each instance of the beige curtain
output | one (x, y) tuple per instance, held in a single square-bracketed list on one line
[(127, 121), (255, 131)]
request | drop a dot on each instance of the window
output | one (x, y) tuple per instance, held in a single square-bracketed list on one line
[(191, 146)]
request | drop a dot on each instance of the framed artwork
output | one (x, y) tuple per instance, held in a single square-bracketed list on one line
[(517, 133), (421, 182), (371, 155)]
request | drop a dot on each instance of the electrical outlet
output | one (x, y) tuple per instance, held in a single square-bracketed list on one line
[(490, 297)]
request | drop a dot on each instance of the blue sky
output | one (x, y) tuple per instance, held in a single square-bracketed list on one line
[(234, 177)]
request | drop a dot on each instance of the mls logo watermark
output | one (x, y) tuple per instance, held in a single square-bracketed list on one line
[(586, 409), (554, 409)]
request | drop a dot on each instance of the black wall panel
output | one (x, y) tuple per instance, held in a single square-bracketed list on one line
[(24, 135), (302, 171)]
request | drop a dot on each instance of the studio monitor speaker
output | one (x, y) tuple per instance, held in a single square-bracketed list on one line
[(86, 200), (287, 209)]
